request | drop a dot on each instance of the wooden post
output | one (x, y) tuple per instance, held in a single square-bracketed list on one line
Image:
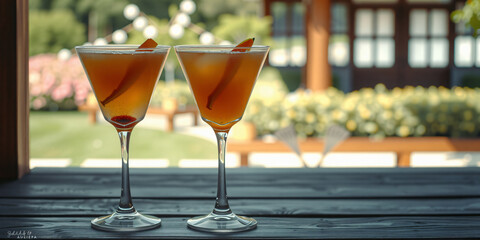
[(403, 159), (318, 73), (244, 159), (14, 89)]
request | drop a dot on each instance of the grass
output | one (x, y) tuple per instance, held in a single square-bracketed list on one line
[(69, 135)]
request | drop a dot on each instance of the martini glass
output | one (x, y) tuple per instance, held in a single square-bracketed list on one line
[(123, 78), (221, 81)]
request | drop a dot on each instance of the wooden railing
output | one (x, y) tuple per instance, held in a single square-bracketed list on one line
[(403, 147)]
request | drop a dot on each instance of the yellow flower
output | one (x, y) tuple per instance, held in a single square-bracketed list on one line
[(338, 115), (371, 127), (459, 92), (403, 131), (385, 101), (351, 125), (349, 104), (310, 118), (364, 112), (291, 113), (420, 130), (387, 114)]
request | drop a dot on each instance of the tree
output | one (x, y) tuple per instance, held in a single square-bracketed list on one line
[(53, 30), (163, 38), (102, 15), (210, 10), (236, 28), (469, 14)]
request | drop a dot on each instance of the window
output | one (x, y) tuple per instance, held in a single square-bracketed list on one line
[(374, 44), (466, 47), (338, 48), (428, 43), (289, 48)]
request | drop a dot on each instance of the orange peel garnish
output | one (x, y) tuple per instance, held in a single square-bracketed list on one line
[(244, 46), (131, 74), (149, 43), (229, 72)]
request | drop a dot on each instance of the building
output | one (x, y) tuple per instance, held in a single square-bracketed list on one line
[(394, 42)]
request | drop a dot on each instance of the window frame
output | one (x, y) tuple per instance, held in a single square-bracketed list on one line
[(14, 130), (289, 32)]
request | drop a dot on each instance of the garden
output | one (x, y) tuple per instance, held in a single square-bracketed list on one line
[(58, 85), (378, 112)]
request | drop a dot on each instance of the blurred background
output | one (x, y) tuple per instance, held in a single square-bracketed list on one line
[(376, 68)]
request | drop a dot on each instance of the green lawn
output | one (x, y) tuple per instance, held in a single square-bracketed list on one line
[(69, 135)]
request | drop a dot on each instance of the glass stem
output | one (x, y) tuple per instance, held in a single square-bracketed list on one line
[(125, 204), (221, 204)]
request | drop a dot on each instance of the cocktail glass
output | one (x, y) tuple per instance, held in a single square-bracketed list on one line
[(123, 78), (221, 81)]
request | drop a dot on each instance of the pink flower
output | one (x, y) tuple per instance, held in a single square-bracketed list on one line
[(39, 103), (61, 92), (57, 80)]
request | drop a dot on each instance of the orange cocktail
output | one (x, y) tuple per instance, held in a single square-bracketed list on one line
[(206, 71), (123, 78), (221, 79), (123, 82)]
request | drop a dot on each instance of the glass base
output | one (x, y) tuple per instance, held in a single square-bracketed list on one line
[(126, 222), (222, 223)]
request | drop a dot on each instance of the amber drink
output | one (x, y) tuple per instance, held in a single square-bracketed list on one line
[(207, 70), (221, 79), (123, 78)]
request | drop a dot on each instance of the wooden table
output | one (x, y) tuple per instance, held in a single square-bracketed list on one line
[(398, 203)]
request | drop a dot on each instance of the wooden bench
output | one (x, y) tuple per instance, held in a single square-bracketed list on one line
[(403, 147), (169, 113)]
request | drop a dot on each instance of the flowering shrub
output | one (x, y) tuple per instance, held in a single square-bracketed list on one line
[(56, 84), (178, 90), (378, 112), (269, 86)]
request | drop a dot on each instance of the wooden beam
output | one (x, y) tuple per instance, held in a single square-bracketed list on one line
[(318, 72), (14, 89), (403, 147)]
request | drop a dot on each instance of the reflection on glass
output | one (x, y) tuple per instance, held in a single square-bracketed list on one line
[(385, 22), (279, 12), (439, 22), (279, 56), (364, 22), (463, 48), (298, 56), (438, 52), (288, 35), (363, 55), (339, 18), (418, 22), (385, 53), (298, 19), (338, 50), (417, 52)]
